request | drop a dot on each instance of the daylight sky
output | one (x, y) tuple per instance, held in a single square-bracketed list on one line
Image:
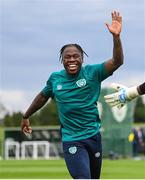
[(33, 31)]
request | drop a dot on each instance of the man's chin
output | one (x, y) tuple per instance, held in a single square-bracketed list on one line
[(72, 72)]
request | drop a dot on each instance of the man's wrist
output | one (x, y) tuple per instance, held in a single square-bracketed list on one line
[(25, 117), (132, 93), (116, 36)]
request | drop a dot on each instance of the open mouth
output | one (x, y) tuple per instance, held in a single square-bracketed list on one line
[(72, 67)]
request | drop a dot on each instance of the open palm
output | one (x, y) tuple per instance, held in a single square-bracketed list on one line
[(116, 26)]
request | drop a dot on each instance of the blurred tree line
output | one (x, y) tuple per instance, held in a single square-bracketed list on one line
[(48, 115), (139, 114)]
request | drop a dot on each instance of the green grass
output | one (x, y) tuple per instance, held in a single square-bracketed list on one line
[(123, 169), (54, 169)]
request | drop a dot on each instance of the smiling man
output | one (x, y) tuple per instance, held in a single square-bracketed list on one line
[(76, 90)]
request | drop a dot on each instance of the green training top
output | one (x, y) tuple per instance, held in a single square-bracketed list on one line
[(76, 98)]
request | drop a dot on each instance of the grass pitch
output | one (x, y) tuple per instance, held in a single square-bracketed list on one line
[(56, 169)]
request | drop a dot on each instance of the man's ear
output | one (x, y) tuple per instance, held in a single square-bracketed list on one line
[(61, 60), (82, 60)]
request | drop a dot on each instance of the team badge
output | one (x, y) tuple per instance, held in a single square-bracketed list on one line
[(97, 154), (72, 150), (81, 82)]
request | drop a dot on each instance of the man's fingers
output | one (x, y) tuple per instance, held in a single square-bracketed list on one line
[(110, 96), (113, 14), (109, 101), (28, 133), (27, 129), (114, 103), (107, 25), (120, 19), (120, 106), (117, 86)]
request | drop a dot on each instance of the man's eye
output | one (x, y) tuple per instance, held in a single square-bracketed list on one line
[(76, 56), (67, 57)]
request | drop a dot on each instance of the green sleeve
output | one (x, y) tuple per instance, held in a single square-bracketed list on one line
[(103, 73), (48, 90), (98, 72)]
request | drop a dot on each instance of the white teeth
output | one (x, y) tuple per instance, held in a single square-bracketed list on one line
[(72, 65)]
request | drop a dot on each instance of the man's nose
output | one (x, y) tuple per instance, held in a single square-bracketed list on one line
[(72, 58)]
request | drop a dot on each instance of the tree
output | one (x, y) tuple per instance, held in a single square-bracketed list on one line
[(46, 116), (13, 120), (139, 114), (3, 112)]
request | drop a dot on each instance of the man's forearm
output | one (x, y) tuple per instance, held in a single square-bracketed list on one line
[(37, 103), (117, 52), (141, 89)]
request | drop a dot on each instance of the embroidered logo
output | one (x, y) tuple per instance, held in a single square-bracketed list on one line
[(97, 154), (72, 150), (81, 82), (59, 87)]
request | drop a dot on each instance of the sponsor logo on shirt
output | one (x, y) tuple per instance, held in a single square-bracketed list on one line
[(81, 82), (59, 87)]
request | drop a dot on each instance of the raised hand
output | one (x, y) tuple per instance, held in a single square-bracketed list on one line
[(116, 26)]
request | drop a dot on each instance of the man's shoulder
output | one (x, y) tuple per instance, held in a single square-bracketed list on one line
[(89, 67), (57, 74)]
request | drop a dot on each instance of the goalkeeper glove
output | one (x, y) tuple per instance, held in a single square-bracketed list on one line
[(123, 95)]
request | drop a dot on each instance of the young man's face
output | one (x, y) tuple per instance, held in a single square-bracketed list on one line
[(72, 60)]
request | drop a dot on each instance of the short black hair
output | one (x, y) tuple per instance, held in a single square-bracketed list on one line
[(72, 45)]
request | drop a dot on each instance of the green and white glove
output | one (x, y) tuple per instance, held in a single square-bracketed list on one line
[(123, 95)]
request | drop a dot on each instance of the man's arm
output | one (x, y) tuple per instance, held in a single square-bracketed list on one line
[(115, 29), (141, 89), (37, 103)]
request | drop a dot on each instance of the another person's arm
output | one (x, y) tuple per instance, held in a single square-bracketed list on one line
[(141, 89), (124, 94), (115, 29)]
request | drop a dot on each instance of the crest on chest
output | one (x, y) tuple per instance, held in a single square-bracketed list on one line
[(81, 82)]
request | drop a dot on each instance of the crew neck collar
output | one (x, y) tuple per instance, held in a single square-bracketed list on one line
[(72, 76)]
